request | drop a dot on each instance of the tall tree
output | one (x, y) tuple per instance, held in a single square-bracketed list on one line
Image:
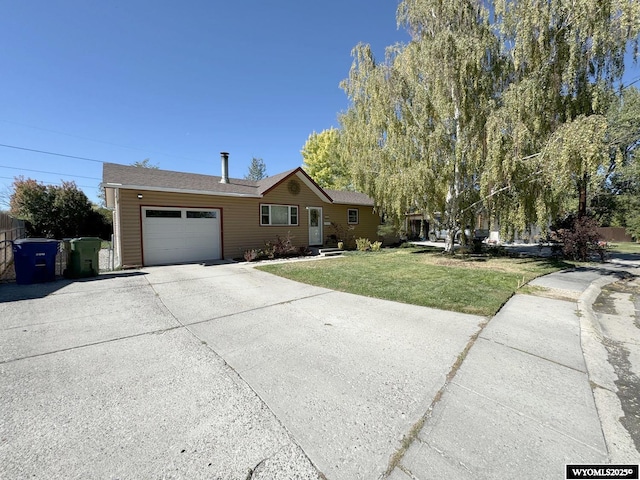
[(617, 202), (324, 162), (5, 198), (623, 119), (414, 132), (547, 141), (146, 163), (56, 211), (257, 170)]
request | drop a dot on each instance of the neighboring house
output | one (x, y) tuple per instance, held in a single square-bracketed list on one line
[(164, 217)]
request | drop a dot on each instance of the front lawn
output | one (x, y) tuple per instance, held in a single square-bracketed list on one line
[(625, 247), (422, 277)]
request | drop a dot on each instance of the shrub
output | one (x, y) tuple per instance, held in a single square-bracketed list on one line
[(388, 230), (579, 238), (477, 246), (363, 244), (497, 251), (341, 234), (250, 255), (375, 246), (281, 247), (633, 226)]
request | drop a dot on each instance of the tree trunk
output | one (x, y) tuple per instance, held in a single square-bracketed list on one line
[(454, 189), (582, 199)]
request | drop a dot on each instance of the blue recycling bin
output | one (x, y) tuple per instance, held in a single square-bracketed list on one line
[(35, 260)]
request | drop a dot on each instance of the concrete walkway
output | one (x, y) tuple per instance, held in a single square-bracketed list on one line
[(527, 400), (227, 372)]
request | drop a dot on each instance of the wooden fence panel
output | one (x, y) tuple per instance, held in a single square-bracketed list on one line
[(10, 229), (614, 234)]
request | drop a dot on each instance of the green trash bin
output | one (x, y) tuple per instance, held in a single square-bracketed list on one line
[(83, 257)]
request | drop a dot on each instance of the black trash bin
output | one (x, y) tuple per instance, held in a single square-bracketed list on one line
[(34, 260)]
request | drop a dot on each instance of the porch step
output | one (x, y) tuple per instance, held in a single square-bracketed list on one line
[(330, 252)]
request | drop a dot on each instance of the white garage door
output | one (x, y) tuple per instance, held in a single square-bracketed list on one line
[(176, 235)]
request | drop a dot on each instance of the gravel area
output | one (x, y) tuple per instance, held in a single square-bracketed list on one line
[(105, 260)]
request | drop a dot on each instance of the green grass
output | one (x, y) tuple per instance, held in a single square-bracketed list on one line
[(625, 247), (421, 277)]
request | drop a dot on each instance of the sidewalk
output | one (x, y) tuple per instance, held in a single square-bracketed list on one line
[(527, 400)]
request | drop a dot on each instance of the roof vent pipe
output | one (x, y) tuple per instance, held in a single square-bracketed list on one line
[(224, 156)]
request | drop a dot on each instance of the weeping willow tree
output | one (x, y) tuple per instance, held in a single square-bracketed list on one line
[(546, 143), (414, 134)]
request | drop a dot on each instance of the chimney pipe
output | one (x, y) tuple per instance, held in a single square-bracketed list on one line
[(224, 156)]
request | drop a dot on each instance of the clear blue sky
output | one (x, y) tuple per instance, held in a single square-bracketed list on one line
[(175, 82)]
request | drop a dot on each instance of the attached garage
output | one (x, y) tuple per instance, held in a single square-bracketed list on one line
[(178, 235), (163, 217)]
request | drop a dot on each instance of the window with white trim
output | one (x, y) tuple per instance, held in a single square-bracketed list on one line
[(278, 215), (353, 216)]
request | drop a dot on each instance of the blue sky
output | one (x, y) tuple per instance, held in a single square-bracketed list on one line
[(175, 82)]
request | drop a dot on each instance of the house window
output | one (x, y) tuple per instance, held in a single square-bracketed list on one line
[(163, 214), (199, 214), (353, 216), (278, 215)]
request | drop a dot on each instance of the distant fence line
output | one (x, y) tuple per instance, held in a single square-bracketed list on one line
[(10, 229), (614, 234)]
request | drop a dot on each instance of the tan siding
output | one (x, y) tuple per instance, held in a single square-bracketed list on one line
[(241, 229), (281, 196), (367, 226)]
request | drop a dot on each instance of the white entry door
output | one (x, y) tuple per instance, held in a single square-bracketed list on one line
[(315, 226)]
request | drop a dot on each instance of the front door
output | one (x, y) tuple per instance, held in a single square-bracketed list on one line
[(315, 226)]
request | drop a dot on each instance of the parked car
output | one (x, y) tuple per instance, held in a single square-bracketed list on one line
[(442, 234)]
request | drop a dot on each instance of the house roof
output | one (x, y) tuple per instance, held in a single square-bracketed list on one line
[(350, 198), (126, 176), (130, 177)]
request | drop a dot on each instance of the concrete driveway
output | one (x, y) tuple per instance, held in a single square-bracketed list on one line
[(218, 371)]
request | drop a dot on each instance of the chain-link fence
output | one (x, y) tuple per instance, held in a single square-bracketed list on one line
[(12, 229)]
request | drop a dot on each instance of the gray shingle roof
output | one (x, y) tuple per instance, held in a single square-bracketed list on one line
[(126, 176), (270, 182), (349, 198)]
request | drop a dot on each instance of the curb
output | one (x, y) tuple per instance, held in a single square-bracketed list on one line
[(620, 446)]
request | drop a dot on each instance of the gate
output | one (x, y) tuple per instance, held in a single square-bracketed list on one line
[(10, 229)]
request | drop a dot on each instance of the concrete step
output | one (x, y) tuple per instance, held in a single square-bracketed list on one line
[(330, 252)]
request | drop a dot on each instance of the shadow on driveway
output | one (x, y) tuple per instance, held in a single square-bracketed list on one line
[(12, 292)]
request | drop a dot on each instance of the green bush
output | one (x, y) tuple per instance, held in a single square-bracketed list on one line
[(375, 246), (363, 244), (387, 230)]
